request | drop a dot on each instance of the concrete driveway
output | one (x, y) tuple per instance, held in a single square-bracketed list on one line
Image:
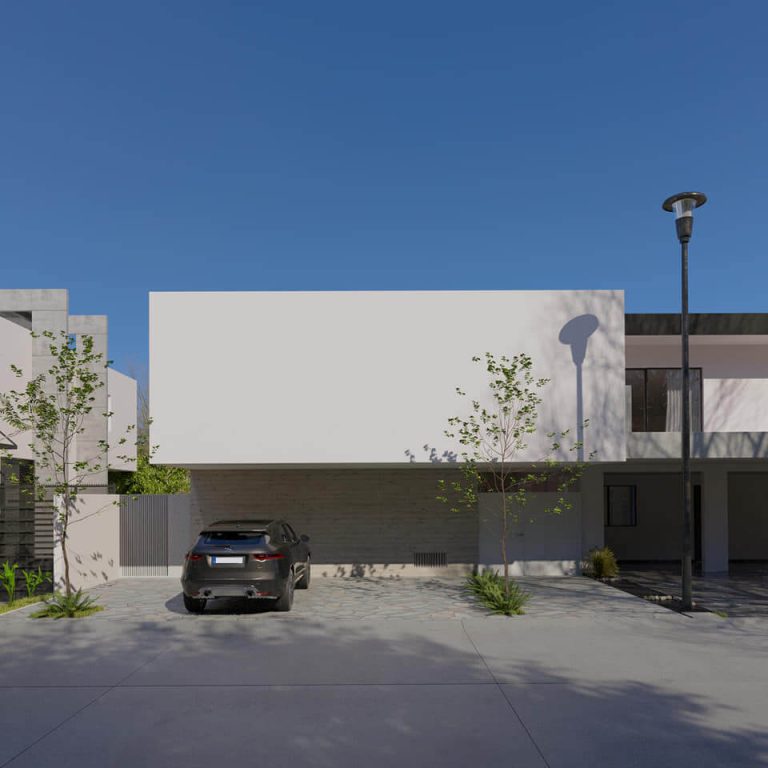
[(581, 680)]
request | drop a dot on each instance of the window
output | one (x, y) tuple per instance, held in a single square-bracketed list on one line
[(230, 538), (288, 536), (620, 506), (657, 399)]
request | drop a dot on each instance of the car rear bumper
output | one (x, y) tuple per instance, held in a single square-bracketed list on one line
[(248, 588)]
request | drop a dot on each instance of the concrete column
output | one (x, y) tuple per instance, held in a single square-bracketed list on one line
[(592, 509), (714, 520), (180, 534)]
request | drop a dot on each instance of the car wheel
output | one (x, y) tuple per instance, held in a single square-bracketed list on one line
[(303, 582), (285, 601), (194, 604)]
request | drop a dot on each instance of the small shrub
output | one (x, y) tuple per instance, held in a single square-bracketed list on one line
[(34, 579), (601, 563), (8, 579), (73, 607), (489, 589)]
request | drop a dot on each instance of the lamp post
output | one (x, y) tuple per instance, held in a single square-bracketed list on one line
[(683, 205)]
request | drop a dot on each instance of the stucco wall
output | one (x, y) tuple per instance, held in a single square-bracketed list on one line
[(748, 516), (242, 379), (734, 371), (357, 517), (93, 542)]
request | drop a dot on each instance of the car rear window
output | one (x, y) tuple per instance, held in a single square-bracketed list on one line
[(243, 538)]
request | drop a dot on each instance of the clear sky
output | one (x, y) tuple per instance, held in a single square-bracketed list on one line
[(290, 144)]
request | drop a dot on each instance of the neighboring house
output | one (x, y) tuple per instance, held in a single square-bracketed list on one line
[(329, 409), (26, 531)]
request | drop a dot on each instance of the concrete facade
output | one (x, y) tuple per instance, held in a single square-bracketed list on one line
[(27, 533), (369, 378), (330, 411), (22, 311)]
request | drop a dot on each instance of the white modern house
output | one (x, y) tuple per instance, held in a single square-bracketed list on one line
[(26, 528), (329, 409)]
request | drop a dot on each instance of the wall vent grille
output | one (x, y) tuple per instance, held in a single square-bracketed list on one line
[(430, 559)]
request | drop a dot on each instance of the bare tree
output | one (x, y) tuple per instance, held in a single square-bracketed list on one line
[(495, 437)]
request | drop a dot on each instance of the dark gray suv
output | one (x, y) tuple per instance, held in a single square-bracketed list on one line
[(246, 558)]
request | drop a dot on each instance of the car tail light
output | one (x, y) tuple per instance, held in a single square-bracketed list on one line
[(262, 556), (194, 556)]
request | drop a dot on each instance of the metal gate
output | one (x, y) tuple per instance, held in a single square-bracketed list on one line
[(144, 535)]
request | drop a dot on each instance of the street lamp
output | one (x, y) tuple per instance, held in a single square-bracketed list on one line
[(683, 205)]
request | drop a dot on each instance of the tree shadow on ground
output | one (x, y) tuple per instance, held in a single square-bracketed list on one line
[(379, 694)]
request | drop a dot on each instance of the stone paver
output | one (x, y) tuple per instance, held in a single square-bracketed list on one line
[(742, 592), (366, 599)]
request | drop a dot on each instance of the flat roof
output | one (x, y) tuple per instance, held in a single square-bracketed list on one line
[(723, 324)]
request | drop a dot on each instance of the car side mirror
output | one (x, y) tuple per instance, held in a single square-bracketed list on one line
[(304, 537)]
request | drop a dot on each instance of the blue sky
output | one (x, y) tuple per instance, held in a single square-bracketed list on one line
[(399, 145)]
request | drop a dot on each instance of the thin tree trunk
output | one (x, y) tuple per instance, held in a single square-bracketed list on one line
[(504, 540), (64, 553)]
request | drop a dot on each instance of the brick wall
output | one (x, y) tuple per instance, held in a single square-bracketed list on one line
[(351, 515)]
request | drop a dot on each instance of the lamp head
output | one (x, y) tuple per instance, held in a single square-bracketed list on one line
[(682, 206)]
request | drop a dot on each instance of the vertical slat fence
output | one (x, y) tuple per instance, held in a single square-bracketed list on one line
[(144, 535)]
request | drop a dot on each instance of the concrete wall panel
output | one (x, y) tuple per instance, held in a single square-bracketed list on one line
[(539, 542), (93, 542), (15, 349), (121, 402), (241, 379)]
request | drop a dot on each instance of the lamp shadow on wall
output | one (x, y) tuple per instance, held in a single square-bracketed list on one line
[(575, 334)]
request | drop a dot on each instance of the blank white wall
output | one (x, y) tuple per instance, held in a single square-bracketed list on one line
[(365, 377)]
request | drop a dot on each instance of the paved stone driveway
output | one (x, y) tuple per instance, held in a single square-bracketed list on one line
[(742, 592), (159, 599)]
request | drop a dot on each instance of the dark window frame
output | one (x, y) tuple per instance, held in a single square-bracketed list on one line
[(644, 371), (607, 516)]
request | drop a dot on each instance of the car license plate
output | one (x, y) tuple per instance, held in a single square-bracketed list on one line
[(223, 560)]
